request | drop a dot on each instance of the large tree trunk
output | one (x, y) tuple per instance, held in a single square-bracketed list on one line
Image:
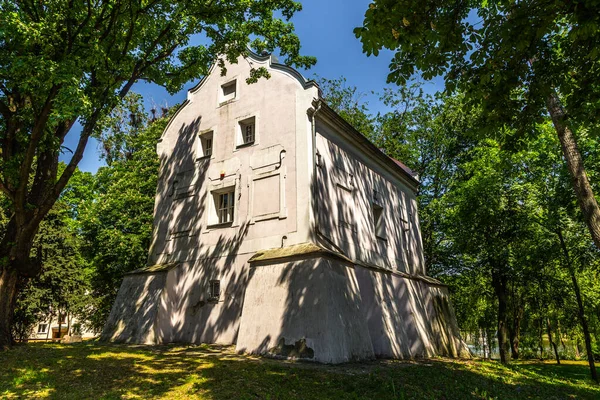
[(581, 184), (581, 310), (515, 332), (500, 283), (15, 263), (8, 294)]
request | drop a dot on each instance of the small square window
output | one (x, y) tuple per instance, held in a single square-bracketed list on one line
[(205, 144), (247, 131), (42, 328), (228, 91), (215, 290)]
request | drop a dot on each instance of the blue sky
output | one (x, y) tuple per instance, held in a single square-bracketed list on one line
[(325, 31)]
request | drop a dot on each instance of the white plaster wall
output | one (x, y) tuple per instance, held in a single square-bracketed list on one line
[(346, 181), (279, 104), (403, 318), (316, 300), (132, 318), (188, 315)]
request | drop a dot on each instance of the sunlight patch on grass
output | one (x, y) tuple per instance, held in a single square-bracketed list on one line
[(99, 371)]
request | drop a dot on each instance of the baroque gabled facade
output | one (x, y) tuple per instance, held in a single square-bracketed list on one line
[(281, 229)]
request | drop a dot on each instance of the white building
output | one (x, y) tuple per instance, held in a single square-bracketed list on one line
[(280, 228), (56, 327)]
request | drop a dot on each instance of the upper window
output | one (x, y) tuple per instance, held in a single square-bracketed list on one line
[(378, 221), (42, 328), (378, 215), (247, 131), (205, 144), (228, 92), (406, 233)]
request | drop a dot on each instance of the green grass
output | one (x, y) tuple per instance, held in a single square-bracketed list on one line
[(98, 371)]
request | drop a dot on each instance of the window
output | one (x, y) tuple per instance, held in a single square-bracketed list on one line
[(221, 204), (205, 144), (247, 131), (378, 215), (224, 205), (228, 92), (406, 234), (42, 328), (215, 290), (62, 318), (378, 221)]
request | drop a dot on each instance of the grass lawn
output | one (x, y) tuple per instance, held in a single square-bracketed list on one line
[(100, 371)]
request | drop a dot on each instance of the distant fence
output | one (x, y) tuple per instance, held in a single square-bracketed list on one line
[(484, 344)]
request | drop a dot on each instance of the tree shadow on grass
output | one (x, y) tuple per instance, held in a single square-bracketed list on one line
[(97, 371)]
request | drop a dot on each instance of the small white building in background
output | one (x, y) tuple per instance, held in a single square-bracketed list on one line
[(281, 229), (55, 328)]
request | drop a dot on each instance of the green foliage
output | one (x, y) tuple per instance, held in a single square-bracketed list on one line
[(64, 283), (506, 56), (63, 62), (348, 102), (216, 372), (115, 221)]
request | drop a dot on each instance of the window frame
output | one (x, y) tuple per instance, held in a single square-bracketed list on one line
[(239, 134), (201, 149), (232, 185), (212, 294), (242, 134), (45, 327), (225, 207), (228, 98), (378, 216), (378, 221)]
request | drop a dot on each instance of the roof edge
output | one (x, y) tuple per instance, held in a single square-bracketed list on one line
[(354, 133), (273, 63)]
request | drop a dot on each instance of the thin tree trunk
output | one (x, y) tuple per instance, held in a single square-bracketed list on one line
[(581, 310), (581, 184), (560, 336), (488, 341), (59, 324), (499, 281), (49, 328), (8, 294), (541, 338), (552, 343), (515, 334)]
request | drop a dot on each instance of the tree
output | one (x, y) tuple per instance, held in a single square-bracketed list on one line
[(516, 60), (65, 61), (349, 103), (115, 221), (64, 279)]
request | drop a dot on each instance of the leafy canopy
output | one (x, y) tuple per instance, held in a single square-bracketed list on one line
[(63, 61), (505, 54)]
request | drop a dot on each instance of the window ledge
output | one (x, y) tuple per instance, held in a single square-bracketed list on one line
[(225, 102), (222, 225), (245, 145), (204, 158)]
